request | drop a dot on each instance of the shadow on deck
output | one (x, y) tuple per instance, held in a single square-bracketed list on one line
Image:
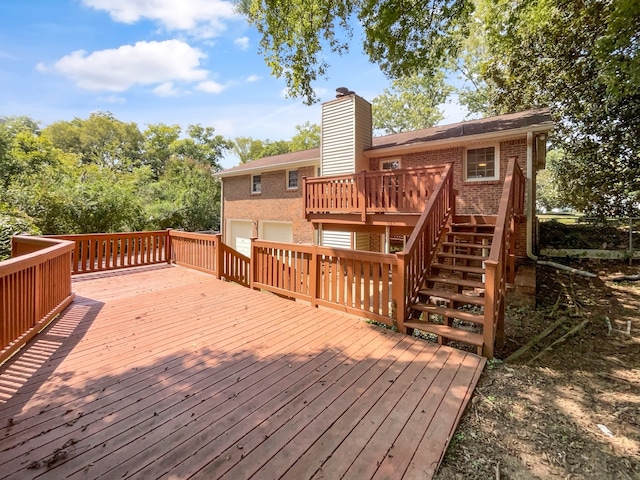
[(165, 372)]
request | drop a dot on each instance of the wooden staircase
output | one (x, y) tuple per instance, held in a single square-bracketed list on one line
[(451, 302)]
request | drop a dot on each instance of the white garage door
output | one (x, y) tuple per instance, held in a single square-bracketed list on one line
[(239, 233), (276, 231)]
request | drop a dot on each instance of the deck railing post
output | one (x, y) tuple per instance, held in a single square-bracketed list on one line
[(491, 272), (253, 263), (38, 292), (398, 291), (313, 276), (168, 249), (362, 194), (218, 262), (305, 206)]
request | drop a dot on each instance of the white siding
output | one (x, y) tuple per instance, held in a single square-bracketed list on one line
[(336, 239), (337, 141), (363, 133), (362, 241)]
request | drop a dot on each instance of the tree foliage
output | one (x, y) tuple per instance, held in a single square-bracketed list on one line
[(412, 103), (102, 175), (307, 137), (581, 60), (246, 148), (401, 37)]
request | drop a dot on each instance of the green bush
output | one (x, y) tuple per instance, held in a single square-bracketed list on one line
[(11, 224)]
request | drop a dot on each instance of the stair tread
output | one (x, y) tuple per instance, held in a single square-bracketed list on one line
[(473, 225), (450, 312), (470, 234), (462, 256), (458, 268), (456, 281), (448, 332), (465, 245), (456, 297)]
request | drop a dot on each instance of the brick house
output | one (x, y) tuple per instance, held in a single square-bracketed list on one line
[(264, 198), (420, 230)]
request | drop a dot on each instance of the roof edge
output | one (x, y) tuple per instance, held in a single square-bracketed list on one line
[(376, 152), (270, 168)]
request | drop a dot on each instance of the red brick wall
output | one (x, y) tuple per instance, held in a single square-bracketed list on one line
[(474, 197), (275, 202)]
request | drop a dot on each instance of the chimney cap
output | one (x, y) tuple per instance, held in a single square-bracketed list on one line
[(343, 91)]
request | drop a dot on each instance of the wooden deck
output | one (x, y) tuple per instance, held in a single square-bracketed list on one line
[(164, 372)]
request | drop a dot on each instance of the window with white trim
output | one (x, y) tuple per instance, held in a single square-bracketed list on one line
[(482, 163), (292, 179), (256, 183), (390, 163)]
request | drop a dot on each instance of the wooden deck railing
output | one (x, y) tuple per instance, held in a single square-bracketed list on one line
[(35, 285), (387, 191), (414, 261), (208, 253), (97, 252), (500, 266), (352, 281)]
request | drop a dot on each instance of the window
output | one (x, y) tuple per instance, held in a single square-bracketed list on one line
[(390, 163), (482, 164), (256, 183), (292, 179)]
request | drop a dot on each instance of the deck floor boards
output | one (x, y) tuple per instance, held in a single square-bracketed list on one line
[(165, 372)]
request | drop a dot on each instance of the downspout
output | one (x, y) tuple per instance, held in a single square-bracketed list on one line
[(222, 208), (530, 206)]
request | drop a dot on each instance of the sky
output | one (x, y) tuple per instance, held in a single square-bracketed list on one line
[(160, 61)]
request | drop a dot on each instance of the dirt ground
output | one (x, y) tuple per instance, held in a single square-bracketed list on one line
[(567, 409)]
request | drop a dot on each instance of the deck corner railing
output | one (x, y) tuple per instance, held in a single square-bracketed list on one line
[(208, 253), (35, 286), (388, 191)]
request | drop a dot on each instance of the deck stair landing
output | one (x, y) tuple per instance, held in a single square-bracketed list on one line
[(451, 303)]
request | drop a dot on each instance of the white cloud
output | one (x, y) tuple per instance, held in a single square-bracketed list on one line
[(253, 78), (201, 18), (144, 63), (210, 86), (166, 89), (41, 67), (242, 43)]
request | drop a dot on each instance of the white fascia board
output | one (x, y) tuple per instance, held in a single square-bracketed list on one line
[(270, 168)]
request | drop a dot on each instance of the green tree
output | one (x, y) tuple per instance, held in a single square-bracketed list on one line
[(307, 137), (186, 197), (581, 60), (13, 222), (101, 140), (158, 142), (274, 147), (412, 103), (247, 148), (402, 38), (202, 145)]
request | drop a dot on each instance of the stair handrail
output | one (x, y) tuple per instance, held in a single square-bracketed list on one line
[(415, 260), (511, 204)]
